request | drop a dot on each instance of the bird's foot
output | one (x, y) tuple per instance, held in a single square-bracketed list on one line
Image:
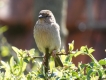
[(54, 53)]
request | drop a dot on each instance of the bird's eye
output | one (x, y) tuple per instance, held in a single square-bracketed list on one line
[(46, 16)]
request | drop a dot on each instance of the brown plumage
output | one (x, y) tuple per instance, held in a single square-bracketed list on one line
[(47, 35)]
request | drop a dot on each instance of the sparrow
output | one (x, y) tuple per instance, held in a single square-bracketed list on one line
[(47, 35)]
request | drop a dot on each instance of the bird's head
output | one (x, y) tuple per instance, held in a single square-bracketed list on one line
[(46, 16)]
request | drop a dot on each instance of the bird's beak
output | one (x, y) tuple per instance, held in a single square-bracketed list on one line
[(40, 16)]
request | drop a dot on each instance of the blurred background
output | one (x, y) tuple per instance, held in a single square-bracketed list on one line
[(83, 21)]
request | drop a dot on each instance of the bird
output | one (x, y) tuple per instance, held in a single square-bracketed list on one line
[(47, 35)]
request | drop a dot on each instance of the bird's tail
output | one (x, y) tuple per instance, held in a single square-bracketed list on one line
[(58, 61)]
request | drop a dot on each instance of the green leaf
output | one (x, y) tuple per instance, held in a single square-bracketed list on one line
[(100, 74), (22, 65), (71, 46), (102, 62), (12, 64), (16, 49), (7, 69), (89, 73), (19, 53), (91, 50), (32, 51), (6, 65), (63, 50), (84, 49), (52, 65), (77, 53)]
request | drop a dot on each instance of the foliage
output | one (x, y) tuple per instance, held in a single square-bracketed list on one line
[(14, 69)]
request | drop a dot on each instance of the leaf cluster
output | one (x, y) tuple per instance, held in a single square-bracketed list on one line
[(15, 68)]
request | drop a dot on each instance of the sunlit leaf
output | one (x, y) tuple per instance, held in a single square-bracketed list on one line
[(63, 50), (52, 65), (102, 62), (91, 50), (12, 63), (6, 65), (71, 46), (20, 53), (77, 53), (16, 49), (84, 49)]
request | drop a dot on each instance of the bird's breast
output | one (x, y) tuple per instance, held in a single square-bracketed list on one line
[(46, 37)]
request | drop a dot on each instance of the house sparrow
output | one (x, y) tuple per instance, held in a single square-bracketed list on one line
[(47, 35)]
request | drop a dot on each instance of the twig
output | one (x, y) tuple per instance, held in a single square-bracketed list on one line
[(38, 57), (60, 53)]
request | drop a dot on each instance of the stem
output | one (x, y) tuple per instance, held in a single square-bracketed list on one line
[(90, 55)]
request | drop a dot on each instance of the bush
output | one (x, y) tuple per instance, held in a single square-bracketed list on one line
[(14, 69)]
